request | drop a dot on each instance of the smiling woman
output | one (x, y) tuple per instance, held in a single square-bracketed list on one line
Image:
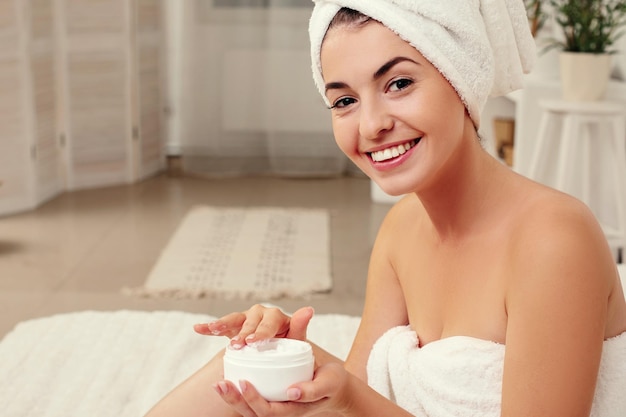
[(477, 271)]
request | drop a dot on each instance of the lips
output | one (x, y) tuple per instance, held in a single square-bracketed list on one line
[(392, 151)]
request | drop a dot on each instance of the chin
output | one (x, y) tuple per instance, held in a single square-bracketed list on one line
[(392, 191)]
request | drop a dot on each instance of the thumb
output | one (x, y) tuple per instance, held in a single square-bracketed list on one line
[(299, 323)]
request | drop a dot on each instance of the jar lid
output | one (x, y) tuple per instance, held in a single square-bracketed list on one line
[(269, 350)]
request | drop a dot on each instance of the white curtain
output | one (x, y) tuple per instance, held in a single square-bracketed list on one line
[(242, 100)]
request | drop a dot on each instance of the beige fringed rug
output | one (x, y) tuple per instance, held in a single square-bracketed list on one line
[(244, 252)]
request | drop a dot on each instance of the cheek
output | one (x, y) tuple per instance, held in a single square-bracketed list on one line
[(345, 138)]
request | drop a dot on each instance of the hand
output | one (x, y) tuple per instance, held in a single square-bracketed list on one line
[(327, 392), (259, 323)]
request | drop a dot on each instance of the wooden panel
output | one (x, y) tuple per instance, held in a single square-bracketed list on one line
[(48, 176), (149, 15), (7, 16), (14, 151), (149, 61), (42, 24), (98, 117), (8, 29), (15, 162), (95, 17), (150, 108), (43, 86)]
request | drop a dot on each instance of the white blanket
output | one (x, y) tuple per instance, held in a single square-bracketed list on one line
[(116, 364), (462, 376)]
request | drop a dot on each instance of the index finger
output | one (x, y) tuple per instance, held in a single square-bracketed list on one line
[(229, 326)]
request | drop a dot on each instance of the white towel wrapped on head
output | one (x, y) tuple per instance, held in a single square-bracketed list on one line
[(482, 47), (462, 376)]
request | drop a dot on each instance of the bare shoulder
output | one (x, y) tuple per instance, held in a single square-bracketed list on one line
[(549, 222), (559, 249), (547, 207)]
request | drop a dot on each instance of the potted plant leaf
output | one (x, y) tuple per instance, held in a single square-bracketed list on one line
[(590, 29), (535, 9)]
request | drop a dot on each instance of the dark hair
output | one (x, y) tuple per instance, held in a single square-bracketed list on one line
[(349, 17)]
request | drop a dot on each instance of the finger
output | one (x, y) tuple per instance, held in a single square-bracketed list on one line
[(261, 407), (299, 323), (257, 404), (202, 328), (253, 317), (231, 395), (214, 328), (274, 323), (328, 382), (228, 326)]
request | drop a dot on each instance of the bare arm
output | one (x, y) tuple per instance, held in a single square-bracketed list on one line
[(557, 312), (385, 306)]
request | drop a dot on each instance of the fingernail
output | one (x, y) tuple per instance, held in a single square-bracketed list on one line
[(250, 336), (294, 394), (221, 387), (214, 330), (243, 386), (234, 342)]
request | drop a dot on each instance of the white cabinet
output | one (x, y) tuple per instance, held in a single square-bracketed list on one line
[(80, 96)]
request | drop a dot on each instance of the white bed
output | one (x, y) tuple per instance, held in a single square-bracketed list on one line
[(116, 364)]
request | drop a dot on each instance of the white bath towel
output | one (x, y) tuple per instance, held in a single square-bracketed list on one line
[(482, 47), (462, 376)]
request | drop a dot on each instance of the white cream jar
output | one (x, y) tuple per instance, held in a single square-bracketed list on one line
[(271, 366)]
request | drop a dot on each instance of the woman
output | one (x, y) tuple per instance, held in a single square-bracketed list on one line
[(474, 262)]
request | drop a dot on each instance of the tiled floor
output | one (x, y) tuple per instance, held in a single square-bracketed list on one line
[(77, 251)]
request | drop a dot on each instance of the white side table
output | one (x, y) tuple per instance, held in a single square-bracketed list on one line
[(570, 162)]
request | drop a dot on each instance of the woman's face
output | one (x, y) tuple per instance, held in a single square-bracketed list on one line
[(393, 114)]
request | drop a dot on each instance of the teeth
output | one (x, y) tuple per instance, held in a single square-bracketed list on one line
[(392, 152)]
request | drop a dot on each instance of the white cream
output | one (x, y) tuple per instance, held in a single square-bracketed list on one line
[(270, 366)]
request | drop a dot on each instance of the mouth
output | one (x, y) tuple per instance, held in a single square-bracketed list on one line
[(393, 151)]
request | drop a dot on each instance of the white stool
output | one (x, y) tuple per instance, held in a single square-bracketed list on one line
[(574, 154)]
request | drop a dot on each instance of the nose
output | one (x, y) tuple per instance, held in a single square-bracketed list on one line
[(375, 119)]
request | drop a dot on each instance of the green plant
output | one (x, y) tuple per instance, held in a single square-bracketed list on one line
[(590, 26)]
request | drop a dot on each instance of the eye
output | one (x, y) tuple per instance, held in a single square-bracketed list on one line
[(343, 102), (400, 84)]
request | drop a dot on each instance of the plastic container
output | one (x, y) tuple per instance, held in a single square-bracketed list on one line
[(271, 366)]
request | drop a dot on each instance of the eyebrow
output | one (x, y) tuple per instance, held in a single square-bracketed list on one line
[(385, 68), (390, 64)]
